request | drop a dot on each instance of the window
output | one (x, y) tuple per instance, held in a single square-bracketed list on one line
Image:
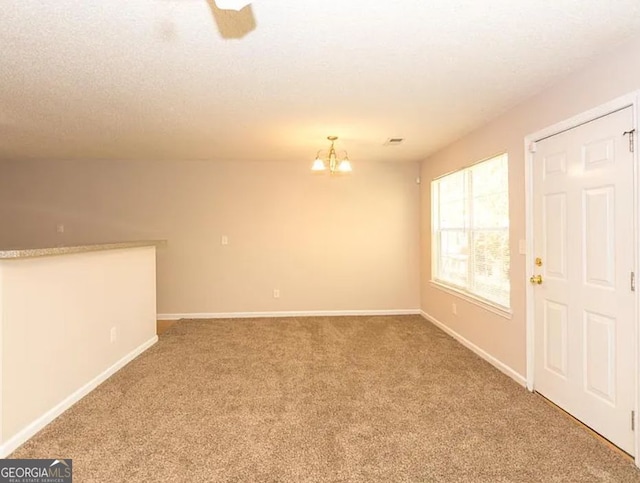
[(470, 231)]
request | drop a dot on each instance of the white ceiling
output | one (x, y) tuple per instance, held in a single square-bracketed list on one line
[(154, 79)]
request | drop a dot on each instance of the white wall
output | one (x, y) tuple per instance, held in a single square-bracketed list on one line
[(611, 76), (56, 316), (327, 243)]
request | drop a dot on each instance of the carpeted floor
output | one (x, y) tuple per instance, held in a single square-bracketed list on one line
[(348, 399)]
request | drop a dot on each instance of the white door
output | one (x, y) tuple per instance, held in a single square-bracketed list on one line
[(584, 318)]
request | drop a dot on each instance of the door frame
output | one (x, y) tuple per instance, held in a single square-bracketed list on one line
[(629, 100)]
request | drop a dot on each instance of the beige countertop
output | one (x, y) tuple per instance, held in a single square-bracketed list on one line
[(65, 250)]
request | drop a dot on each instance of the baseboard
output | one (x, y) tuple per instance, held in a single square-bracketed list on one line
[(501, 366), (29, 431), (303, 313)]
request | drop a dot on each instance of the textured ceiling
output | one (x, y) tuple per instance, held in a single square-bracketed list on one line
[(179, 79)]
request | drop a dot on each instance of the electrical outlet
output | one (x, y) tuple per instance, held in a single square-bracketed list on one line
[(224, 240), (276, 293), (454, 309), (59, 228), (114, 334)]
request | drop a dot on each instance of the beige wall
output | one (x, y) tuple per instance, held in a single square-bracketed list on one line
[(56, 316), (609, 77), (349, 243)]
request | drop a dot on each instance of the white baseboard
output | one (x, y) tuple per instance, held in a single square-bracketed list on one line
[(29, 431), (501, 366), (303, 313)]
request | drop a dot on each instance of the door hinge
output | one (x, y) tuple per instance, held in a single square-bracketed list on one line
[(633, 282), (633, 420), (631, 138)]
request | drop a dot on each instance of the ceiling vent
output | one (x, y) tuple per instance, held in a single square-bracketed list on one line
[(393, 141)]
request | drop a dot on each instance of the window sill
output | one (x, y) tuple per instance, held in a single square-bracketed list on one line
[(483, 304)]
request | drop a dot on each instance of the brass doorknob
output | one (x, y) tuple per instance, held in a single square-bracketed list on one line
[(536, 279)]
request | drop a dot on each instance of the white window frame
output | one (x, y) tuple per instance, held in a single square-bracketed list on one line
[(447, 286)]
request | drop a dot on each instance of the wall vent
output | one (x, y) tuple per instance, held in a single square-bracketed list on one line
[(393, 141)]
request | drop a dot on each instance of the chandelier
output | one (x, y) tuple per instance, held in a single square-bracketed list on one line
[(329, 160)]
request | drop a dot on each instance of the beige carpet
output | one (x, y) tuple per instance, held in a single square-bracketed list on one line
[(349, 399)]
